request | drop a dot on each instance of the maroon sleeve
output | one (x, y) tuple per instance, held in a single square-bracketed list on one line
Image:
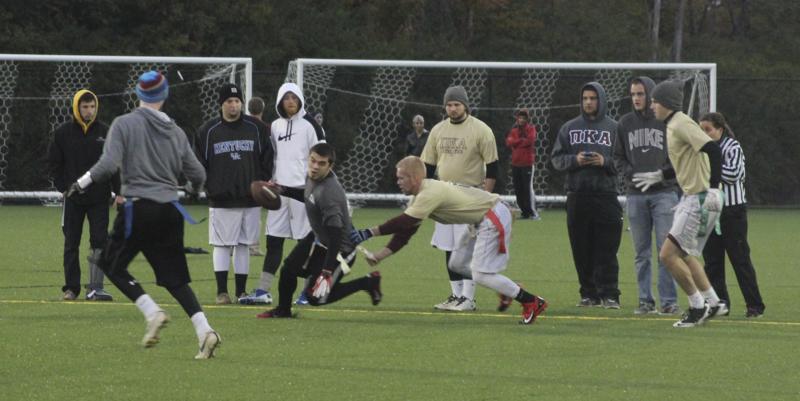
[(399, 223), (400, 239)]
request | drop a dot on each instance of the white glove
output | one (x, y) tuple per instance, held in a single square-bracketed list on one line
[(322, 287), (713, 202), (643, 181)]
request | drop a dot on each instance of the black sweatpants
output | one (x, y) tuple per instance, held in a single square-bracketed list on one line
[(521, 178), (733, 223), (594, 224), (306, 260), (72, 227)]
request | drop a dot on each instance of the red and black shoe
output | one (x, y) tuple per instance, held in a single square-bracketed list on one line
[(531, 310), (275, 313), (375, 287)]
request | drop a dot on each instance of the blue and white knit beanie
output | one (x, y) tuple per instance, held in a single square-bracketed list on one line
[(152, 87)]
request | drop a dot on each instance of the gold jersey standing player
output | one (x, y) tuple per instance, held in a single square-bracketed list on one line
[(461, 150)]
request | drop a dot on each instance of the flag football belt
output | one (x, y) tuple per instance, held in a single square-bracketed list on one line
[(704, 218), (501, 232), (128, 213)]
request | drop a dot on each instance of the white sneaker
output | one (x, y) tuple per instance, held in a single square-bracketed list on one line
[(154, 326), (447, 303), (463, 305), (209, 344), (259, 297)]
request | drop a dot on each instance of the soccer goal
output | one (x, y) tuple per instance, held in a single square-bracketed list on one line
[(368, 106), (36, 97)]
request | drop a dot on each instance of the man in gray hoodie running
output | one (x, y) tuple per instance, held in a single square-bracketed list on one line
[(151, 152)]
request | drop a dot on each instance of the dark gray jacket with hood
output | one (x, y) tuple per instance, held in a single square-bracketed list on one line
[(642, 145), (587, 134)]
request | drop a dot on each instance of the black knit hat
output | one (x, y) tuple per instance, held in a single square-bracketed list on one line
[(227, 91)]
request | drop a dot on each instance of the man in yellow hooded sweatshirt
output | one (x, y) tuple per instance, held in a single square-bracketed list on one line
[(76, 145)]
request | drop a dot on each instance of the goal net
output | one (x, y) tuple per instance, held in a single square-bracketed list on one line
[(368, 106), (36, 94)]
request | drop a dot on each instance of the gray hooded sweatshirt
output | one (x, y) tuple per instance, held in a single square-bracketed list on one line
[(587, 134), (642, 145), (151, 152)]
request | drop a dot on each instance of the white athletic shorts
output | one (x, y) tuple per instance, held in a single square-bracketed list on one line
[(447, 237), (692, 225), (290, 221), (234, 226), (481, 250)]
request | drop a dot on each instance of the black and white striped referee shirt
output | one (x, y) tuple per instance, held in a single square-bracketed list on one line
[(733, 173)]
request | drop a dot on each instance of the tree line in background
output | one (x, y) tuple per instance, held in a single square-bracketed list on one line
[(753, 43)]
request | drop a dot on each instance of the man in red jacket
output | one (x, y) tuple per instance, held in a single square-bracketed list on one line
[(521, 140)]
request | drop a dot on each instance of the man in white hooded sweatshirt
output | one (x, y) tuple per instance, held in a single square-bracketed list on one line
[(294, 132)]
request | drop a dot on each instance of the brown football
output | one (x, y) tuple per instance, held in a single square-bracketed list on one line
[(265, 194)]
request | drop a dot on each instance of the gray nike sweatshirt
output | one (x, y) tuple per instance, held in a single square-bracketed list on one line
[(151, 152)]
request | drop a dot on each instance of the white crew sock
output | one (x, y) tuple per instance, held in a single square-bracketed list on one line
[(468, 289), (222, 258), (148, 307), (201, 326), (456, 287), (711, 296), (241, 259), (696, 300)]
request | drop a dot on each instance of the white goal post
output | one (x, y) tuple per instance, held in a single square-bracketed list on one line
[(36, 94), (386, 93)]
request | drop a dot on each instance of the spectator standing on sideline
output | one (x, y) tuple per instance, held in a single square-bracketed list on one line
[(415, 141), (235, 150), (522, 142), (732, 221), (321, 255), (75, 147), (461, 149), (151, 152), (294, 132), (642, 147), (255, 107), (698, 168), (486, 254), (584, 149)]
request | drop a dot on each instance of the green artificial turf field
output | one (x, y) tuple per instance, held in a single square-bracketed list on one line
[(401, 349)]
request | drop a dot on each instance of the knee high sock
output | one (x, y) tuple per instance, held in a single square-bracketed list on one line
[(241, 266), (456, 284), (222, 260)]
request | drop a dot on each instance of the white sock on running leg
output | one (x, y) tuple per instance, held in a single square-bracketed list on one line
[(147, 306)]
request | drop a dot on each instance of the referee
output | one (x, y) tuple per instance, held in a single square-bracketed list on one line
[(733, 222)]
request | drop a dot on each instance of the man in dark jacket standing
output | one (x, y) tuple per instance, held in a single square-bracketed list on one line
[(642, 147), (235, 151), (522, 142), (76, 146), (584, 149)]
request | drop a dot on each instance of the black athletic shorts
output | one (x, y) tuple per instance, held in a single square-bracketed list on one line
[(157, 232)]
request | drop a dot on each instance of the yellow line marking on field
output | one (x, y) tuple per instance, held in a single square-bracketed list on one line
[(306, 309)]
